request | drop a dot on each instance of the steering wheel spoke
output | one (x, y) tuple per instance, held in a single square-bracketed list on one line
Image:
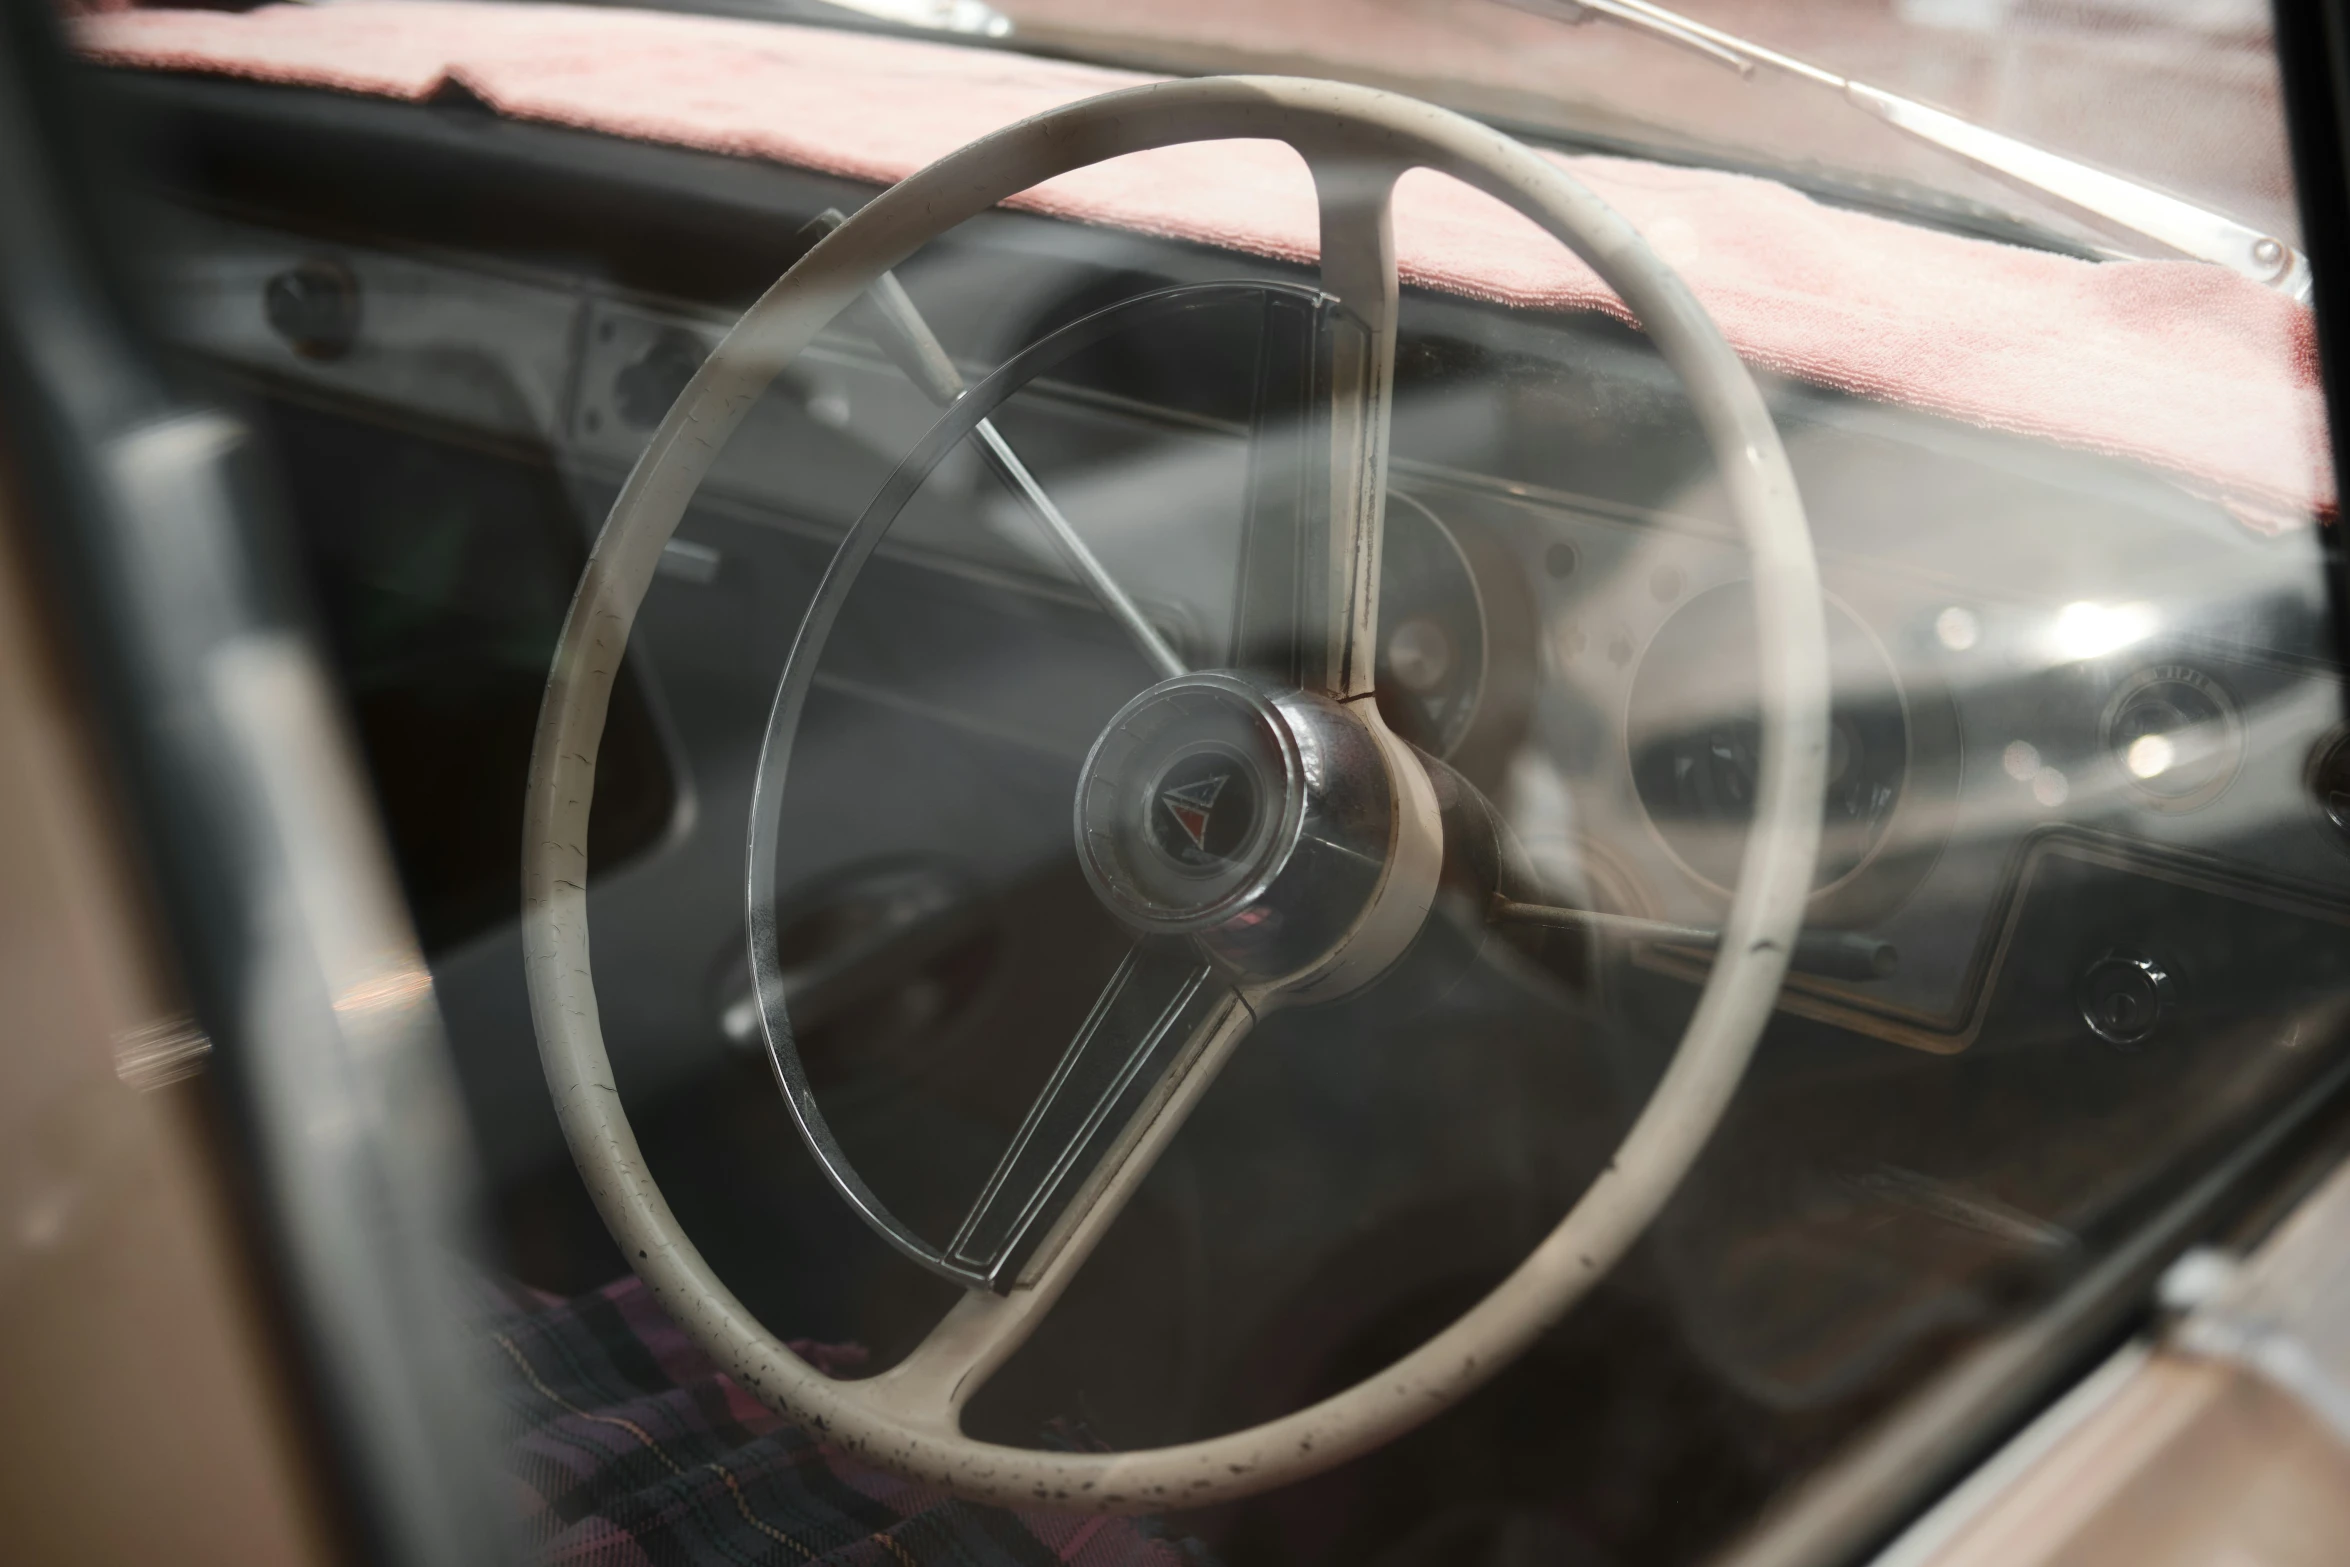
[(1308, 600), (1161, 1031), (1146, 1034)]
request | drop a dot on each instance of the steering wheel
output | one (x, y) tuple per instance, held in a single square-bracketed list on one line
[(1307, 868)]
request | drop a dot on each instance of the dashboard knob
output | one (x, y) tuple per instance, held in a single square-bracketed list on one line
[(642, 393), (2125, 997), (2329, 782), (314, 307)]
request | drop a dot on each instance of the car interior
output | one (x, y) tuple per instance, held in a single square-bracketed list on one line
[(2073, 956)]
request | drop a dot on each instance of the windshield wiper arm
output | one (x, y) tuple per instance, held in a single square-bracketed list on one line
[(973, 17), (2105, 199)]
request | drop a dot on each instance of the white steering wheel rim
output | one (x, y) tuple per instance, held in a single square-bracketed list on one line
[(1316, 117)]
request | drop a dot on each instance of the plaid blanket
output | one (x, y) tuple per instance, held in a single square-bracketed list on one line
[(626, 1446)]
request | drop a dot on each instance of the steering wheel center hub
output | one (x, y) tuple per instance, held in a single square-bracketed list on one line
[(1290, 835), (1190, 801)]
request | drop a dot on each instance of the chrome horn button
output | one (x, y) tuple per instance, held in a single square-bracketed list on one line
[(1290, 835), (1189, 802)]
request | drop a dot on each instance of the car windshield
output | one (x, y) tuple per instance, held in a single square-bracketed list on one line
[(1505, 797), (2181, 94)]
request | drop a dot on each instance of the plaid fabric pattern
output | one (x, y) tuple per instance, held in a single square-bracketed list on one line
[(626, 1446)]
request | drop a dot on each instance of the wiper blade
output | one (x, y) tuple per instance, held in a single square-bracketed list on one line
[(2108, 200)]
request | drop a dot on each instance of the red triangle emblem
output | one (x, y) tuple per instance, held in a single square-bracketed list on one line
[(1191, 804)]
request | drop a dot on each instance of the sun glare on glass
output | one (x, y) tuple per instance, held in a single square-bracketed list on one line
[(2150, 756), (2086, 630)]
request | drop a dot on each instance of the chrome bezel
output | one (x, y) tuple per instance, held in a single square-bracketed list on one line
[(2231, 721), (1106, 788)]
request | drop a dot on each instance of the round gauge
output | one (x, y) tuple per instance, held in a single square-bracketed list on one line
[(2176, 735), (2329, 782), (1431, 631), (1693, 728), (1455, 640)]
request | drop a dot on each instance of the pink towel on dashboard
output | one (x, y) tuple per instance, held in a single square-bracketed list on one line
[(2181, 365)]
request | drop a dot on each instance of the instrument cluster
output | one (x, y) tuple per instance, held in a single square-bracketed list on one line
[(1969, 725)]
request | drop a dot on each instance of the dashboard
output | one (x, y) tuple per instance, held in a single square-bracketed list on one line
[(2089, 794), (2153, 627)]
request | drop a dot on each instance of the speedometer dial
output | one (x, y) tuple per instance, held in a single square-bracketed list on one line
[(1693, 728), (1455, 640), (1432, 639)]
